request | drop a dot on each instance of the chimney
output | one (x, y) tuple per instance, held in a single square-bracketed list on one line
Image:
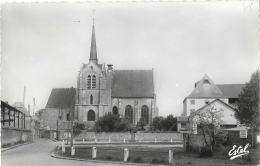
[(109, 68)]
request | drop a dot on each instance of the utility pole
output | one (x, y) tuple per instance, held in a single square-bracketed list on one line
[(72, 117), (24, 91)]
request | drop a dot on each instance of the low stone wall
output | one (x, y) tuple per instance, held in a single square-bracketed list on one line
[(119, 136), (11, 135), (159, 136)]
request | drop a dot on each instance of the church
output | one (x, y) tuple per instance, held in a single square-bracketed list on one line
[(102, 90)]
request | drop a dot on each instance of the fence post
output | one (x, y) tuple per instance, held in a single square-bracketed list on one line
[(95, 139), (170, 156), (109, 140), (94, 152), (171, 140), (126, 154), (63, 146), (155, 140), (72, 150), (124, 140), (83, 140)]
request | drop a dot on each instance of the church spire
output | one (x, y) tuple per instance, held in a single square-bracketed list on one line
[(93, 49)]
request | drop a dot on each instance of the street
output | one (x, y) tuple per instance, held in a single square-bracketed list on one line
[(39, 154)]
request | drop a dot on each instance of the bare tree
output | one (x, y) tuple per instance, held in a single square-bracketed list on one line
[(208, 120)]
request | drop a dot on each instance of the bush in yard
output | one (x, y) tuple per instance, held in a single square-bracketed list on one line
[(108, 158), (112, 123), (137, 160), (206, 152), (78, 128), (140, 125)]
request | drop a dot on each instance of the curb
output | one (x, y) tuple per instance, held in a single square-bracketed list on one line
[(98, 161), (15, 146)]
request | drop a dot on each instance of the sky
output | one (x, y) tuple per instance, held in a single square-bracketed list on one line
[(44, 45)]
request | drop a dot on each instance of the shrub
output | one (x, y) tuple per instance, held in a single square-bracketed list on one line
[(155, 161), (112, 123), (108, 158), (206, 152), (189, 163), (78, 128), (137, 160)]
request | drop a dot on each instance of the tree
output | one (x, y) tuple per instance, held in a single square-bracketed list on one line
[(141, 124), (208, 120), (248, 103), (112, 123), (157, 123), (170, 123), (78, 128)]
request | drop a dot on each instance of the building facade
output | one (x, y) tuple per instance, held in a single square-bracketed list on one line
[(207, 94), (102, 90)]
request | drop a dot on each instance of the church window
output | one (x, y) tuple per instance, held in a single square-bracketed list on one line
[(115, 110), (91, 115), (89, 82), (145, 114), (68, 117), (91, 99), (93, 82), (129, 113)]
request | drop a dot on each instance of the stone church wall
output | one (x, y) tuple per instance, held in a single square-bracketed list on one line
[(137, 104)]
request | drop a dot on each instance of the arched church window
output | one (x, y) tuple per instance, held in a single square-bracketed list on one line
[(129, 113), (93, 81), (91, 99), (91, 115), (115, 110), (145, 113), (89, 82)]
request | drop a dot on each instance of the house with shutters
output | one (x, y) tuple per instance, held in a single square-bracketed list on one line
[(208, 94), (102, 90)]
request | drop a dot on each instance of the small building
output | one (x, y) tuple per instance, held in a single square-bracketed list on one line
[(59, 109), (15, 124), (207, 94)]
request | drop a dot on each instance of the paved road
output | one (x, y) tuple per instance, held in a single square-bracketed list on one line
[(38, 154)]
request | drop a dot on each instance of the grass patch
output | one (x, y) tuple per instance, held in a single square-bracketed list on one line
[(155, 156)]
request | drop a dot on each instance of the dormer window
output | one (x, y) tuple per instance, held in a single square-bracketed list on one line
[(206, 81), (206, 101)]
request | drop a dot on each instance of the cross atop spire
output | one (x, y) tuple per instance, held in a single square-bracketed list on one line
[(93, 49)]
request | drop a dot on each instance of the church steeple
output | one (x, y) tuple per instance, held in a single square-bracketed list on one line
[(93, 49)]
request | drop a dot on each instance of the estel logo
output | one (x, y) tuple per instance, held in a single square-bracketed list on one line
[(239, 152)]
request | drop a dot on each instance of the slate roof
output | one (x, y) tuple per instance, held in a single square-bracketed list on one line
[(20, 106), (206, 88), (61, 98), (132, 83), (231, 90)]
